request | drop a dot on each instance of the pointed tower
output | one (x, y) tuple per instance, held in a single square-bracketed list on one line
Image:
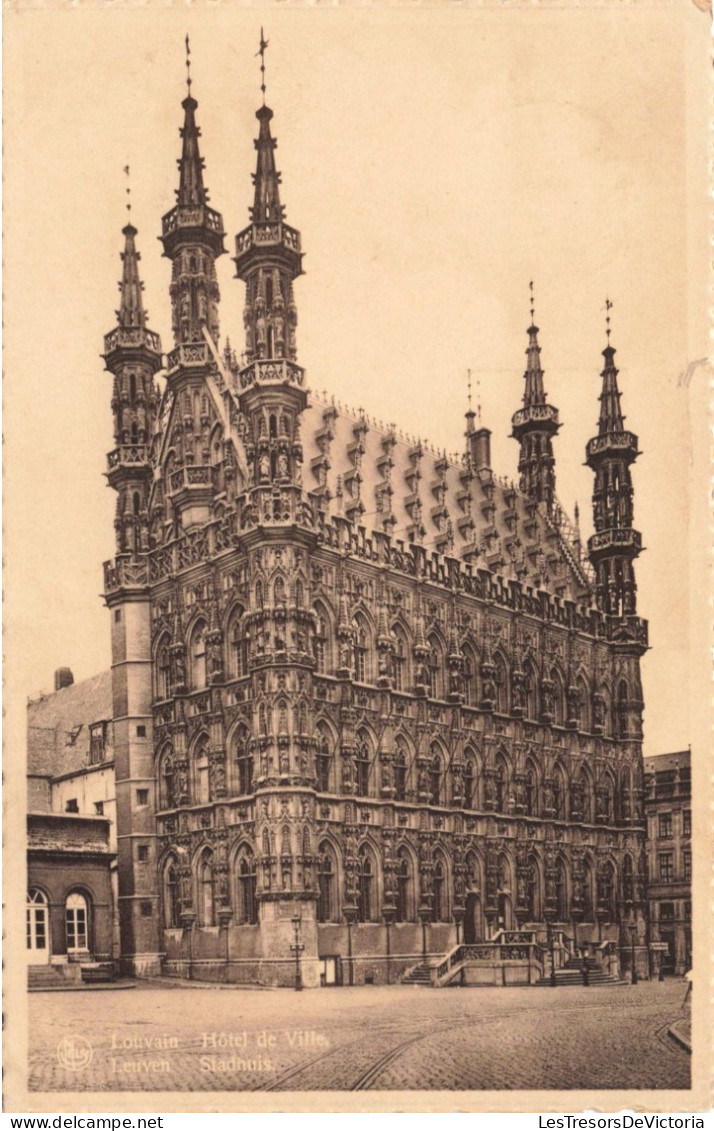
[(132, 353), (534, 426), (272, 387), (192, 235), (615, 544)]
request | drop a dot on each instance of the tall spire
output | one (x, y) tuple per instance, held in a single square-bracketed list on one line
[(132, 354), (535, 425), (268, 259), (192, 235), (191, 190), (131, 308), (615, 544), (611, 418)]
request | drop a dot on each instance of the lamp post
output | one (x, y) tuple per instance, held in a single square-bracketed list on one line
[(633, 932), (297, 949), (551, 939)]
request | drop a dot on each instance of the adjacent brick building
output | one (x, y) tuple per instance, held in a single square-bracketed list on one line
[(668, 807)]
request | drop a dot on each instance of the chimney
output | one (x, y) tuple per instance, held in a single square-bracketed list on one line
[(63, 678), (480, 444)]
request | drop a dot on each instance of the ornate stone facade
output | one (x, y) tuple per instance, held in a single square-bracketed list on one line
[(317, 713)]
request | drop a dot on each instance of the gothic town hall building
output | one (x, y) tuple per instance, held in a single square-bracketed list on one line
[(365, 696)]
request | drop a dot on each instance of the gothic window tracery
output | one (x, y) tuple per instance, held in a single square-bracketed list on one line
[(322, 760), (362, 764), (404, 881), (365, 886), (171, 894), (400, 770), (167, 779), (438, 907), (201, 782), (206, 903), (435, 775), (198, 657), (247, 884), (326, 884), (237, 645)]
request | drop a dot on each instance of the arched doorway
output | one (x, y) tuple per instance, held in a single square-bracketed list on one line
[(38, 928), (473, 919)]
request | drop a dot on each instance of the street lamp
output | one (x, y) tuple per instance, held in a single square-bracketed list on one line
[(633, 932), (297, 948), (551, 937)]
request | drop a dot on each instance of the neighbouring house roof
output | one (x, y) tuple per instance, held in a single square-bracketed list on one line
[(58, 725)]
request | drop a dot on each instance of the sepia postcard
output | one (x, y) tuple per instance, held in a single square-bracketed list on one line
[(358, 584)]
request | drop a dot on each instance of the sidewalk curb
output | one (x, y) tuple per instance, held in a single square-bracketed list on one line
[(678, 1037), (81, 987)]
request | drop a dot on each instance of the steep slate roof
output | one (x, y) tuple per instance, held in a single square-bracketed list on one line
[(53, 719)]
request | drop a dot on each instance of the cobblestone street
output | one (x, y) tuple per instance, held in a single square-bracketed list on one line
[(200, 1038)]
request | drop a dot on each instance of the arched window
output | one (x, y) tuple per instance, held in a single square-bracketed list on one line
[(559, 794), (362, 760), (502, 687), (247, 879), (365, 886), (586, 794), (322, 760), (201, 781), (559, 709), (561, 892), (608, 800), (77, 922), (37, 926), (531, 792), (588, 901), (326, 885), (435, 664), (400, 770), (606, 894), (237, 645), (167, 780), (583, 705), (404, 911), (400, 654), (198, 657), (628, 882), (621, 717), (531, 691), (361, 650), (438, 905), (435, 775), (243, 762), (163, 671), (172, 894), (470, 682), (279, 591), (499, 782), (206, 891), (533, 889), (320, 640), (469, 784)]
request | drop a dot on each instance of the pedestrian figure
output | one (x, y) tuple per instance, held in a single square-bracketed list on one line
[(586, 972)]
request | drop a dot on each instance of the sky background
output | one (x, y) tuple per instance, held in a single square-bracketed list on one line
[(434, 161)]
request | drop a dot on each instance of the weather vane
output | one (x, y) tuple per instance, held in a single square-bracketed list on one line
[(128, 190), (261, 52), (469, 389), (608, 308), (188, 65)]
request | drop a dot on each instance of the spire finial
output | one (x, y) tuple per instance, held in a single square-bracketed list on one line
[(188, 65), (468, 372), (478, 397), (608, 308), (261, 52), (128, 190), (530, 287)]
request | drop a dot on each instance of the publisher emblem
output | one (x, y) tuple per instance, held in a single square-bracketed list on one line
[(74, 1053)]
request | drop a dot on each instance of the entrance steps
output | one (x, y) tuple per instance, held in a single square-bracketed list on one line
[(44, 977), (418, 976), (572, 975)]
